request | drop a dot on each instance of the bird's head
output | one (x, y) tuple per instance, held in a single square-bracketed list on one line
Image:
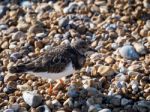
[(81, 46)]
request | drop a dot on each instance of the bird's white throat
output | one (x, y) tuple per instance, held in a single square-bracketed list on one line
[(67, 71)]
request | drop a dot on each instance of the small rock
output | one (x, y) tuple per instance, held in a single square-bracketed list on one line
[(36, 29), (139, 48), (105, 110), (94, 108), (5, 45), (134, 85), (43, 108), (9, 90), (72, 91), (10, 77), (9, 110), (32, 98), (109, 60), (146, 4), (15, 107), (15, 56), (16, 36), (105, 70), (26, 4), (3, 10), (92, 91), (56, 103), (68, 103), (63, 22), (144, 103), (95, 56), (125, 101), (24, 87), (115, 101), (129, 52), (3, 27)]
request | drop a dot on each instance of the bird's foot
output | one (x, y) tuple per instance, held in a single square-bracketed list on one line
[(50, 89)]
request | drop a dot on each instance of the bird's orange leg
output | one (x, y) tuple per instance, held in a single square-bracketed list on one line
[(50, 88), (61, 81)]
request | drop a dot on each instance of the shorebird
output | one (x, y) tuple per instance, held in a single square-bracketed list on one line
[(60, 61)]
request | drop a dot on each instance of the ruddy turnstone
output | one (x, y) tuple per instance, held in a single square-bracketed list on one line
[(58, 62)]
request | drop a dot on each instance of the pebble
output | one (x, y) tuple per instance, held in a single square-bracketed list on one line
[(26, 4), (105, 110), (16, 36), (72, 92), (139, 48), (56, 103), (63, 22), (125, 101), (9, 110), (129, 52), (3, 10), (10, 77), (43, 108), (24, 87), (143, 103), (105, 70), (32, 99)]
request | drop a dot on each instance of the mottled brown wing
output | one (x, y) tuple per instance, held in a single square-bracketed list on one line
[(54, 61)]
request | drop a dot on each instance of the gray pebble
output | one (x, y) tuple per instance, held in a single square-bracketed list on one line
[(3, 10), (32, 98), (105, 110), (3, 27), (72, 91), (125, 101), (129, 52), (63, 22), (43, 108), (26, 4), (17, 35), (9, 110), (144, 103)]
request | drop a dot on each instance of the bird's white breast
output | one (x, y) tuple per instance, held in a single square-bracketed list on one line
[(67, 71)]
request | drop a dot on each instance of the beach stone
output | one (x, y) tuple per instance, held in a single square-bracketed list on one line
[(146, 4), (36, 29), (5, 45), (105, 110), (15, 107), (24, 87), (115, 101), (26, 4), (139, 48), (10, 77), (3, 27), (144, 103), (3, 10), (17, 35), (105, 70), (72, 92), (15, 56), (125, 101), (32, 99), (109, 60), (63, 22), (9, 110), (56, 103), (8, 90), (129, 52), (43, 108), (94, 108)]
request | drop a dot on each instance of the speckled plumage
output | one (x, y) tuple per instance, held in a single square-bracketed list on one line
[(54, 61)]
